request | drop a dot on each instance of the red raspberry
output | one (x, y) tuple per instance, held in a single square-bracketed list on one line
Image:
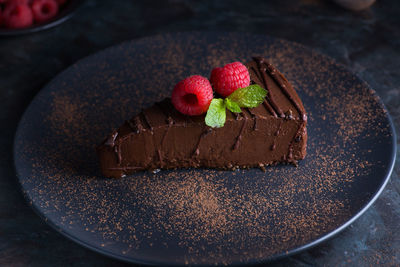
[(44, 10), (192, 96), (17, 16), (229, 78)]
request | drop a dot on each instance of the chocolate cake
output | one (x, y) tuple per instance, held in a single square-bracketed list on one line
[(160, 137)]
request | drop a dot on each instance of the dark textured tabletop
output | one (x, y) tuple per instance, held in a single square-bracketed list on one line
[(367, 42)]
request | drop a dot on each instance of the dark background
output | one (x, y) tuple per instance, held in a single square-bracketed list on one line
[(367, 42)]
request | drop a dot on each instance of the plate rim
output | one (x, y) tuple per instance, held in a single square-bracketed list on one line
[(275, 257)]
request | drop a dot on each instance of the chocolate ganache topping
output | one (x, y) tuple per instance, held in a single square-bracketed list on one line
[(160, 137)]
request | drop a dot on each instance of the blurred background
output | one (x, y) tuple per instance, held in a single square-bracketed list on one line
[(363, 35)]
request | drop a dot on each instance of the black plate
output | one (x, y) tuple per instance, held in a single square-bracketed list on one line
[(201, 216), (66, 12)]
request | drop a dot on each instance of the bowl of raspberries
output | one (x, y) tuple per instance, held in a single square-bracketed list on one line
[(24, 16)]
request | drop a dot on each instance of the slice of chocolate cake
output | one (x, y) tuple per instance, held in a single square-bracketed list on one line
[(160, 137)]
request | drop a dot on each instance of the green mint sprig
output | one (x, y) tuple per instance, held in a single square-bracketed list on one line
[(248, 97)]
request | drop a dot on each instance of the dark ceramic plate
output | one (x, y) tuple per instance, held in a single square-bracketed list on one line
[(200, 216), (66, 12)]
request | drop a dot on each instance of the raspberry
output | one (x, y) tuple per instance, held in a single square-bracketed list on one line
[(17, 16), (229, 78), (192, 96), (44, 10)]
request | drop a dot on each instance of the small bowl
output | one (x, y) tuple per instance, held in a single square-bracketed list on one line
[(66, 12)]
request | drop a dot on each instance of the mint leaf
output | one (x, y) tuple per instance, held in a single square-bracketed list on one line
[(216, 114), (232, 106), (248, 97)]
